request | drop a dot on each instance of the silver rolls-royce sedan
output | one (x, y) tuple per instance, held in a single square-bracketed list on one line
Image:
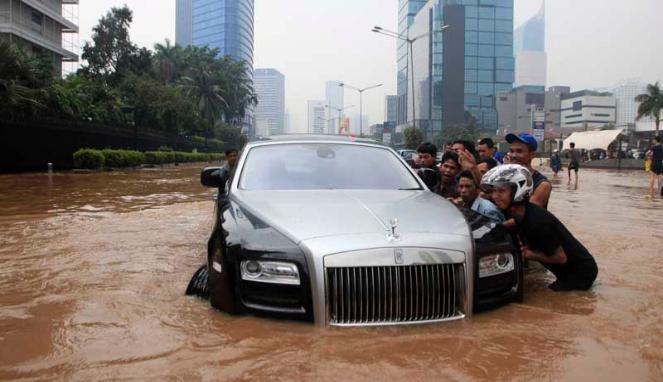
[(342, 232)]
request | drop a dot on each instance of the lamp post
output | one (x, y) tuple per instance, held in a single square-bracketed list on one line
[(361, 94), (410, 42), (339, 110)]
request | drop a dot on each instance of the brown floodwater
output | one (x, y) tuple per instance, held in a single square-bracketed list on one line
[(93, 268)]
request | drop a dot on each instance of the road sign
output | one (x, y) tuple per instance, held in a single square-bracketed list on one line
[(539, 130)]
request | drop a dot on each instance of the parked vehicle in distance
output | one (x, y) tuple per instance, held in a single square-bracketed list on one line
[(342, 232), (407, 154)]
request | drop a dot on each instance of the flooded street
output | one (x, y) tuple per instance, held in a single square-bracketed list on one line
[(93, 268)]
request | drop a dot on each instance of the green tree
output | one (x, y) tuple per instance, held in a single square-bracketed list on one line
[(168, 62), (22, 81), (651, 104), (112, 54), (201, 87), (413, 137)]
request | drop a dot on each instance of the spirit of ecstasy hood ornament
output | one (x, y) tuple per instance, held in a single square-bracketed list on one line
[(393, 235)]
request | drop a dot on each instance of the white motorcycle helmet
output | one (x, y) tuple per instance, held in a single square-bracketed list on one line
[(514, 175)]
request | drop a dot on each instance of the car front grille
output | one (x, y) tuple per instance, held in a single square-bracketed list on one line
[(381, 295)]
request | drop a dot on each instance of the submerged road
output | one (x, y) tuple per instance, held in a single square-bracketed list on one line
[(93, 268)]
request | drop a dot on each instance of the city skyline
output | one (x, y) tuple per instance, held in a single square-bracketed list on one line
[(341, 49)]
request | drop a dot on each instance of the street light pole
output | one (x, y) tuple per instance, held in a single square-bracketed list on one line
[(339, 110), (361, 93), (410, 42)]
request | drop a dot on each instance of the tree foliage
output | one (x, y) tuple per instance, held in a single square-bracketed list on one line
[(651, 104), (413, 137), (467, 131), (188, 91)]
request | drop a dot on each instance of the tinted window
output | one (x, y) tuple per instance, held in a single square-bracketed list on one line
[(308, 166)]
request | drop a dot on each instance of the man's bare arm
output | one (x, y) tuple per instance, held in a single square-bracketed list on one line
[(541, 195)]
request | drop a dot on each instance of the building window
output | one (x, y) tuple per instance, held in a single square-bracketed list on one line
[(471, 50), (37, 19), (505, 63), (487, 13), (573, 116), (577, 105), (600, 115), (485, 63), (503, 26)]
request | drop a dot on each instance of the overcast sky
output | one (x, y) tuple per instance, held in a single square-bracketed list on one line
[(590, 43)]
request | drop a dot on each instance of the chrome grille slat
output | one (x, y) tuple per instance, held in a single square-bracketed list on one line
[(392, 294)]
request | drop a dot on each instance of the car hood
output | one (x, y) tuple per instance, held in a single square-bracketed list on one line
[(303, 215)]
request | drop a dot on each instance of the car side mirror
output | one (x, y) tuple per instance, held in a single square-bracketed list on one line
[(215, 177)]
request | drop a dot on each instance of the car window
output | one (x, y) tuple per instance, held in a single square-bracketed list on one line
[(320, 166)]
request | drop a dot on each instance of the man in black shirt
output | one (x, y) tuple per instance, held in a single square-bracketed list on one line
[(656, 166), (425, 166), (543, 237)]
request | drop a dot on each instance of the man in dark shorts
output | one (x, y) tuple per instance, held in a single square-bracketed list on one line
[(425, 166), (449, 168), (574, 164), (522, 152), (543, 237), (656, 166)]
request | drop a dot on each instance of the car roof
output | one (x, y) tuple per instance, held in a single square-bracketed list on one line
[(316, 138)]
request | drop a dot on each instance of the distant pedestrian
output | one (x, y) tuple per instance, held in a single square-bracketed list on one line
[(461, 146), (656, 166), (487, 149), (574, 164), (555, 162), (486, 165)]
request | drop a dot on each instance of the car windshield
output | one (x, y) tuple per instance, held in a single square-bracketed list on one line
[(322, 166)]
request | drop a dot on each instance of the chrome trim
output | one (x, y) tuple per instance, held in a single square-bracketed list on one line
[(385, 257), (274, 309), (432, 293)]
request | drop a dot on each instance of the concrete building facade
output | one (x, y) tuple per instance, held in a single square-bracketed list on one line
[(335, 97), (269, 85), (317, 117), (586, 110), (391, 108), (38, 27), (627, 108)]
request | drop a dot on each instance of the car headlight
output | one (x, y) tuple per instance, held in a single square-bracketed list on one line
[(273, 272), (495, 264)]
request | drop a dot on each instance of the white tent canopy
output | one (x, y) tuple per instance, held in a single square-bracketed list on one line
[(591, 140)]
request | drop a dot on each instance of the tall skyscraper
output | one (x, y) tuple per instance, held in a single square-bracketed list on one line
[(269, 115), (334, 95), (40, 26), (317, 117), (407, 10), (226, 25), (459, 72), (184, 22), (625, 93), (530, 50)]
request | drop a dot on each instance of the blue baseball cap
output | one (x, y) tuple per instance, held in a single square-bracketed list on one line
[(525, 138)]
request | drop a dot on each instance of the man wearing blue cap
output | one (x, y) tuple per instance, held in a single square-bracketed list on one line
[(522, 152)]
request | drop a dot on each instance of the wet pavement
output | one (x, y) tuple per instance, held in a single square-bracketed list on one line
[(93, 267)]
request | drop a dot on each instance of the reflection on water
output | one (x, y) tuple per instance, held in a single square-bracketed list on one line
[(93, 269)]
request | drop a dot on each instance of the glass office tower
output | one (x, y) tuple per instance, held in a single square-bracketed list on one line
[(458, 72), (226, 25)]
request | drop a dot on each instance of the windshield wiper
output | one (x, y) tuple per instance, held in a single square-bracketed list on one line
[(410, 189)]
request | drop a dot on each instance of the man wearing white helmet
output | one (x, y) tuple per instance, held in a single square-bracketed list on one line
[(543, 237)]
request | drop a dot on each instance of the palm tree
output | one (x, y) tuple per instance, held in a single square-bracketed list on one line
[(168, 61), (651, 104), (21, 83), (205, 92)]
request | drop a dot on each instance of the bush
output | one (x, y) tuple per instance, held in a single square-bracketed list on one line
[(123, 158), (94, 159), (88, 159)]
